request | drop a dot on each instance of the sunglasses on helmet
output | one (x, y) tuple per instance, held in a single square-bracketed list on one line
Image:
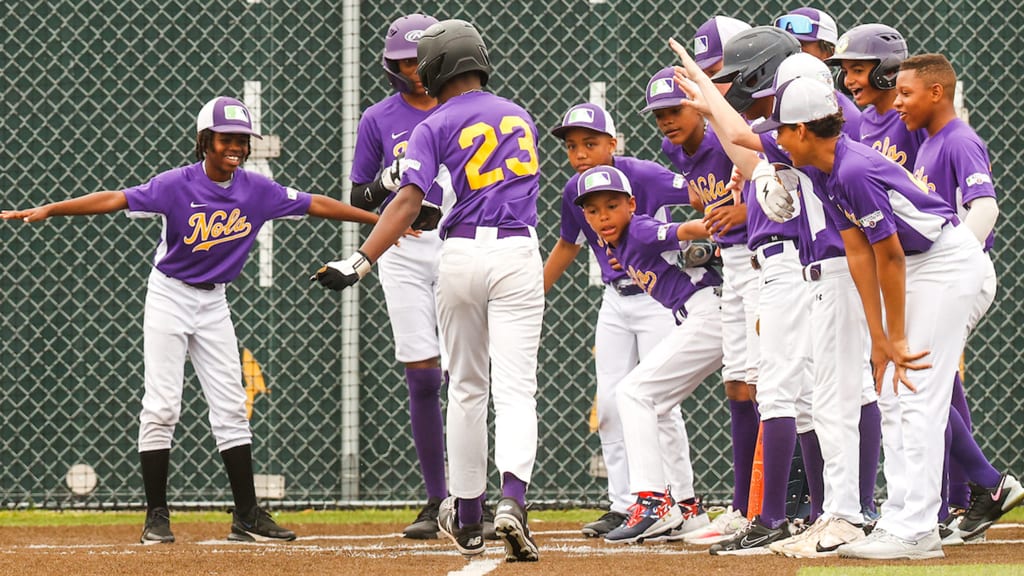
[(796, 23)]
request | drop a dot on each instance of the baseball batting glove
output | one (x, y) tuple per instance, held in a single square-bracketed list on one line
[(771, 195), (428, 218), (343, 273), (391, 177)]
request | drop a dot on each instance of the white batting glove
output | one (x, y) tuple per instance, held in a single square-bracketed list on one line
[(341, 274), (391, 177), (774, 199)]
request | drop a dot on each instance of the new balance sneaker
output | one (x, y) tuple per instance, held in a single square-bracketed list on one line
[(722, 527), (257, 526), (424, 527), (511, 526), (988, 505), (468, 540), (753, 540), (882, 545), (653, 514), (949, 529), (694, 518), (489, 532), (158, 527), (603, 525)]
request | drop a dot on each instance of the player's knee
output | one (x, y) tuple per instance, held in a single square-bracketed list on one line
[(739, 391)]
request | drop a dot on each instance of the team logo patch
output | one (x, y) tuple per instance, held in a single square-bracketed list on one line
[(414, 35), (292, 193), (580, 116), (663, 231), (596, 180), (678, 181), (662, 86), (871, 220), (842, 45), (232, 112), (978, 178), (700, 45)]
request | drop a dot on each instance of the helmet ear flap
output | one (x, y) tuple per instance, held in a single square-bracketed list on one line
[(841, 82), (882, 79)]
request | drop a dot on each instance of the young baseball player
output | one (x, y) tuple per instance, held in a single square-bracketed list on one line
[(693, 149), (835, 327), (648, 249), (629, 323), (815, 29), (917, 271), (211, 211), (869, 57), (953, 161), (408, 272), (490, 292)]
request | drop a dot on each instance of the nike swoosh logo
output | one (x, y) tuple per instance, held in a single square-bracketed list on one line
[(747, 543), (194, 205), (398, 134), (998, 494), (821, 548), (770, 280)]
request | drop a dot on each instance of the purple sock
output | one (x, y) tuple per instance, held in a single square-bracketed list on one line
[(870, 452), (779, 440), (966, 451), (959, 492), (427, 426), (470, 511), (814, 465), (744, 441), (514, 488)]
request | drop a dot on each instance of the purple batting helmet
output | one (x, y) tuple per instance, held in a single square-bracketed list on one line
[(400, 44), (877, 42)]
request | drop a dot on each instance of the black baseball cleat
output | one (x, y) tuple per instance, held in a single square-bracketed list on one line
[(755, 538), (603, 525), (257, 526), (158, 527), (468, 540), (425, 525), (511, 527), (988, 505)]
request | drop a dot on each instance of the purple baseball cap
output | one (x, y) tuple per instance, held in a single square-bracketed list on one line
[(799, 65), (809, 25), (586, 115), (601, 178), (227, 116), (712, 36), (662, 91), (799, 100)]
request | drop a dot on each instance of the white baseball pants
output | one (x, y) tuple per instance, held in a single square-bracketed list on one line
[(408, 276)]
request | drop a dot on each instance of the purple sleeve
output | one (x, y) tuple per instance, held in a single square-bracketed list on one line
[(663, 187), (655, 236), (422, 157), (571, 228), (147, 198), (972, 169), (282, 202), (369, 155), (772, 151), (869, 203)]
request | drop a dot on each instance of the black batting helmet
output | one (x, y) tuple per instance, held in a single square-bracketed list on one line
[(750, 61), (447, 49)]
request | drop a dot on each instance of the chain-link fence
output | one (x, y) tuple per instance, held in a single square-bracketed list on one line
[(103, 95)]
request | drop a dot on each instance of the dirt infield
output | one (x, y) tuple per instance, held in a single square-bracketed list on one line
[(378, 549)]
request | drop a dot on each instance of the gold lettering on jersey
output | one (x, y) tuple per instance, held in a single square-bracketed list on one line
[(399, 148), (219, 228), (888, 149), (922, 178), (711, 191), (645, 280)]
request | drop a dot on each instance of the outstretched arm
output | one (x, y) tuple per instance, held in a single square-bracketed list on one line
[(96, 203), (326, 207)]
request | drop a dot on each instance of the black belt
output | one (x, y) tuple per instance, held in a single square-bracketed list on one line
[(207, 286), (626, 287), (769, 240)]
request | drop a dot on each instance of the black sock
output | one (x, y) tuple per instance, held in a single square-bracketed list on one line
[(238, 462), (155, 466)]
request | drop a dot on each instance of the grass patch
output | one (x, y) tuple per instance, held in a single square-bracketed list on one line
[(956, 570), (360, 516)]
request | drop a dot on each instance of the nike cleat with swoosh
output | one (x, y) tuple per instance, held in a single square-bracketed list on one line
[(988, 505), (754, 540)]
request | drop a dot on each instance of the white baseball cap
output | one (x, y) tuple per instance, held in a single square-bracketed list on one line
[(800, 100), (799, 65), (712, 36), (225, 115)]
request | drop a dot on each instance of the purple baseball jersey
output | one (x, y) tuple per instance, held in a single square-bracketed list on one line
[(954, 163), (654, 187), (383, 135), (817, 239), (889, 135), (708, 173), (647, 250), (851, 115), (482, 151), (209, 230), (882, 198)]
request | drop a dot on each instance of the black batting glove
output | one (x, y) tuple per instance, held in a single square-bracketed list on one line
[(343, 273)]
